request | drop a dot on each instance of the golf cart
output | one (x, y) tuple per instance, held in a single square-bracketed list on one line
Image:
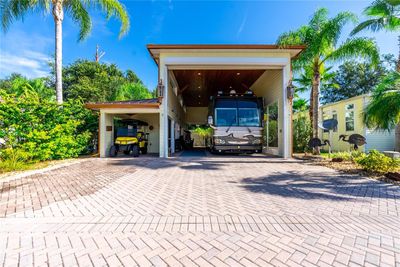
[(128, 139)]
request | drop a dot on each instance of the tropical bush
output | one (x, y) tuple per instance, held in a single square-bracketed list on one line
[(301, 133), (37, 129), (352, 156), (375, 161)]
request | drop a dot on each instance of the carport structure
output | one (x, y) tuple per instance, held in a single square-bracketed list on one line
[(189, 74)]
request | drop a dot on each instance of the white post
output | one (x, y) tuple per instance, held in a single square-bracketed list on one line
[(172, 136), (164, 112), (286, 113)]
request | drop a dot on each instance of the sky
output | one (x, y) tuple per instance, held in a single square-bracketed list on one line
[(28, 45)]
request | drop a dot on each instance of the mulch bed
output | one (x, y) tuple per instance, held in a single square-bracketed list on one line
[(349, 168)]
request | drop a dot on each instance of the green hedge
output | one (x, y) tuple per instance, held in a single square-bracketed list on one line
[(37, 129)]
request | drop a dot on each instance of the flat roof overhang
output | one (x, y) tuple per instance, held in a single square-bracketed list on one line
[(155, 49), (153, 103)]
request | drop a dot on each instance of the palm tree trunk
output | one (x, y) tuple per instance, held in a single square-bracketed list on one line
[(315, 105), (58, 15)]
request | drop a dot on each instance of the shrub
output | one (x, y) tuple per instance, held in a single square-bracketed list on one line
[(42, 130), (13, 159), (301, 133), (348, 156), (378, 162)]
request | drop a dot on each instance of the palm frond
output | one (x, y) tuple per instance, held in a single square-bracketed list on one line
[(332, 29), (114, 8), (384, 14), (370, 24), (319, 17), (81, 16), (383, 112), (355, 48), (379, 8), (11, 10)]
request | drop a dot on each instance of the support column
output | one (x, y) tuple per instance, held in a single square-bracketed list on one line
[(106, 137), (164, 112), (286, 133), (172, 136)]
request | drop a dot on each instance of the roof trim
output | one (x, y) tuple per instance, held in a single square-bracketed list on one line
[(122, 105), (345, 100), (224, 46)]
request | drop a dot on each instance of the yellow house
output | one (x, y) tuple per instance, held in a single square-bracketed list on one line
[(348, 113)]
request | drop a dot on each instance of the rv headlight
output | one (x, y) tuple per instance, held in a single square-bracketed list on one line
[(257, 141), (219, 141)]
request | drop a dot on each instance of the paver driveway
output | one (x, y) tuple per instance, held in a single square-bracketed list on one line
[(220, 211)]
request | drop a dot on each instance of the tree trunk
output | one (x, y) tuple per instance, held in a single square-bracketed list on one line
[(58, 15), (315, 105)]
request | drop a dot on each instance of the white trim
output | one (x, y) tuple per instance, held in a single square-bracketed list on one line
[(286, 114), (130, 110), (231, 62)]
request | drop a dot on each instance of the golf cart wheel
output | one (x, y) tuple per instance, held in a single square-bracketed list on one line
[(144, 150), (135, 151), (113, 151)]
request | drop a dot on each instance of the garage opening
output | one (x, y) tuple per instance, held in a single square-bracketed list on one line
[(224, 110)]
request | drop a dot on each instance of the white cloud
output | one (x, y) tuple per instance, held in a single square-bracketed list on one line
[(25, 53)]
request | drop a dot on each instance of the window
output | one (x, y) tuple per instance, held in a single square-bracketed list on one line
[(334, 116), (248, 117), (226, 116), (349, 117), (324, 118)]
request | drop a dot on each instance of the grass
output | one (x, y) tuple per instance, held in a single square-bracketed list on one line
[(7, 166)]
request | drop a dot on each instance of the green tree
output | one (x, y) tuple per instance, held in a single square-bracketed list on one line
[(355, 78), (321, 36), (300, 104), (132, 91), (383, 112), (77, 9), (383, 15), (98, 82), (17, 84)]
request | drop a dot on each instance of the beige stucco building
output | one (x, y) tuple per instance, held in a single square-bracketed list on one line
[(189, 74)]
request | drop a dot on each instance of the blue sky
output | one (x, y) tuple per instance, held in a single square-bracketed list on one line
[(27, 46)]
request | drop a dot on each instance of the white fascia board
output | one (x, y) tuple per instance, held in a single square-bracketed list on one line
[(236, 62), (129, 110)]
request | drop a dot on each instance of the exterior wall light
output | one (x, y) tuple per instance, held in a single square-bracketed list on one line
[(160, 89), (290, 91)]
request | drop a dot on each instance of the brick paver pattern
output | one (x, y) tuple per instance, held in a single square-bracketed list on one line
[(215, 211)]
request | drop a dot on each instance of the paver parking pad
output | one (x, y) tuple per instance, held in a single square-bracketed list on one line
[(205, 211)]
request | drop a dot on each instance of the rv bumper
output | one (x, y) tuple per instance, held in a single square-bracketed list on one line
[(238, 148)]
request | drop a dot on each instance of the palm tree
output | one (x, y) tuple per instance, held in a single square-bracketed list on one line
[(321, 37), (383, 15), (303, 83), (383, 112), (78, 9)]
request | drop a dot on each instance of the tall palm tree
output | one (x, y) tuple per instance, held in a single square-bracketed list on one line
[(11, 10), (383, 15), (304, 81), (383, 112), (321, 37)]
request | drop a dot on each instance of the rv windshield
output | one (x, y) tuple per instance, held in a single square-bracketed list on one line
[(237, 112), (248, 117), (226, 116)]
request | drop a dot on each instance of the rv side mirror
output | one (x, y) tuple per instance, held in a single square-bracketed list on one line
[(210, 120)]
